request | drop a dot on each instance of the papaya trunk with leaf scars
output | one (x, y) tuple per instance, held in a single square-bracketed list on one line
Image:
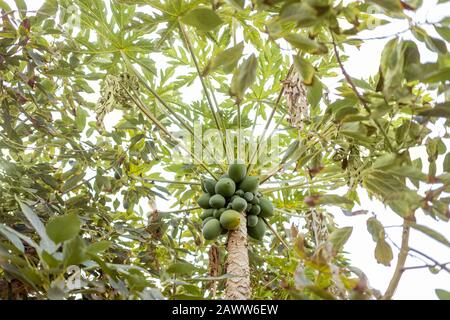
[(238, 287)]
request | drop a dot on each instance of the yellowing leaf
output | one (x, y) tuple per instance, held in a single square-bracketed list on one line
[(383, 253), (376, 229), (339, 237), (305, 69)]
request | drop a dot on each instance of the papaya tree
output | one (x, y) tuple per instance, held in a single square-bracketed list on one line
[(194, 149)]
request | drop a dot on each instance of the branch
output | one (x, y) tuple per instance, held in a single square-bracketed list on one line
[(303, 183), (178, 211), (277, 235), (151, 180), (436, 263), (310, 144), (269, 120), (147, 112), (402, 255), (358, 95), (440, 265), (214, 110), (171, 111)]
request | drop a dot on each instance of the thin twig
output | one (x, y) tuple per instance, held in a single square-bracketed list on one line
[(277, 235), (214, 110), (269, 120), (348, 78), (436, 263), (168, 108), (179, 211), (441, 266), (402, 255)]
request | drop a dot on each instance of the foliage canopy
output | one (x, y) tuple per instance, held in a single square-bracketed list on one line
[(75, 191)]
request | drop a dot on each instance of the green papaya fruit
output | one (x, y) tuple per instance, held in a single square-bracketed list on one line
[(266, 208), (217, 201), (218, 212), (249, 184), (255, 210), (209, 185), (206, 220), (248, 196), (211, 229), (249, 207), (203, 201), (239, 204), (233, 197), (239, 193), (225, 187), (252, 220), (230, 219), (255, 200), (237, 172), (258, 231), (207, 213)]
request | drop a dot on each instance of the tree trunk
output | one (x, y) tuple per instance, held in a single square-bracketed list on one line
[(238, 287)]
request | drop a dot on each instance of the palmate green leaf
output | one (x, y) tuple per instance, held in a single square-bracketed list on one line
[(434, 44), (444, 32), (63, 228), (315, 92), (305, 70), (390, 5), (244, 77), (440, 110), (302, 13), (408, 172), (47, 10), (376, 229), (74, 251), (6, 7), (305, 44), (290, 151), (227, 59), (446, 164), (203, 19), (442, 294), (97, 247), (22, 7), (72, 182), (327, 199), (385, 160), (392, 63), (432, 234), (383, 252), (46, 243), (181, 268), (11, 236), (339, 237)]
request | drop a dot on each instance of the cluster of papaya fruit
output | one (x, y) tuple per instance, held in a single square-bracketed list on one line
[(224, 201)]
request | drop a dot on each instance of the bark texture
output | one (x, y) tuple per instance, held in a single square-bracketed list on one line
[(238, 287)]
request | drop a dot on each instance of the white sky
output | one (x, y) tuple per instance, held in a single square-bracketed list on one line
[(415, 284)]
